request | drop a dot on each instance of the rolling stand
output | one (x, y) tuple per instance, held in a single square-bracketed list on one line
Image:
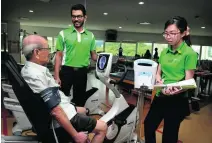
[(140, 104), (144, 79)]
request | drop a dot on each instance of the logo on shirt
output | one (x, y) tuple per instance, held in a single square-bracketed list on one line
[(173, 60)]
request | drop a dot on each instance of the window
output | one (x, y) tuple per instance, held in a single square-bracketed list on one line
[(112, 47), (50, 43), (128, 49), (143, 47), (196, 48), (99, 45), (160, 47), (206, 53)]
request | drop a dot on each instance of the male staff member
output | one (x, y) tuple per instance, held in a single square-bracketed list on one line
[(74, 46), (73, 120)]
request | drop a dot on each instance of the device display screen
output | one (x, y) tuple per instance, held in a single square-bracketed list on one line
[(102, 62)]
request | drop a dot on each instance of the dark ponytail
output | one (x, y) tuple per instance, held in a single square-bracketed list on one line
[(182, 25)]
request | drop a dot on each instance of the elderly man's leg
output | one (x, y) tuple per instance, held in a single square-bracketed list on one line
[(100, 132), (84, 123)]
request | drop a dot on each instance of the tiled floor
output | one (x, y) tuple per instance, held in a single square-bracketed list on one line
[(195, 129)]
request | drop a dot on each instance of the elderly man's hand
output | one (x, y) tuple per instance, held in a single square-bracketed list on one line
[(81, 137), (57, 79)]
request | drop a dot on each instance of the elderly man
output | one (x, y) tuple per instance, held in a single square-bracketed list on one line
[(38, 77)]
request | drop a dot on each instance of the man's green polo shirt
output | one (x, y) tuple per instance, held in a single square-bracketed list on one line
[(76, 46), (174, 64)]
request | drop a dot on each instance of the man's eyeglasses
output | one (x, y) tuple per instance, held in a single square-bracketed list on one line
[(170, 34), (77, 16), (49, 49)]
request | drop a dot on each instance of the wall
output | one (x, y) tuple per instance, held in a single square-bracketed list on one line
[(12, 29), (122, 36)]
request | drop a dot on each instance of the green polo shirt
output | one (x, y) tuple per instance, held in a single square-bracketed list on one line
[(76, 46), (174, 64)]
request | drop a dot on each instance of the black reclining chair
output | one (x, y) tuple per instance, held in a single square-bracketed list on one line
[(34, 107), (6, 56)]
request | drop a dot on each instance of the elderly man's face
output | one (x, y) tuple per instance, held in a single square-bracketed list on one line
[(43, 53)]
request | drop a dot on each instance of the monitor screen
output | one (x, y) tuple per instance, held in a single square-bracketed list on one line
[(102, 62)]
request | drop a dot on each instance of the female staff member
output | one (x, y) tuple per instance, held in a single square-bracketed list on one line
[(176, 63)]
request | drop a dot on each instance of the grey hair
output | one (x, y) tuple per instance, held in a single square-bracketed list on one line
[(28, 50)]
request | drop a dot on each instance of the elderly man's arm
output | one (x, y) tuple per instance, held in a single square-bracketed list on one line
[(38, 83), (58, 113)]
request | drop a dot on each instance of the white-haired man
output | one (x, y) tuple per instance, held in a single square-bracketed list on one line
[(38, 77)]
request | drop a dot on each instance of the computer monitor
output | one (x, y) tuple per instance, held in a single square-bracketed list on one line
[(104, 64)]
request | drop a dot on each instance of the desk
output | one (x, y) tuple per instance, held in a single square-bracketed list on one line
[(129, 79)]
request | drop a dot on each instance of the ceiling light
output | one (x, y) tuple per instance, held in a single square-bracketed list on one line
[(203, 27), (120, 27), (141, 3), (23, 18), (105, 13), (69, 25), (31, 11), (144, 23)]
